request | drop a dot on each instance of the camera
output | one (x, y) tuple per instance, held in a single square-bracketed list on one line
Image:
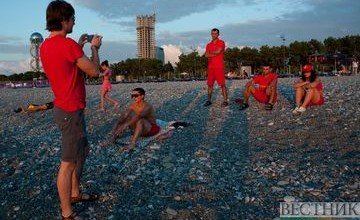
[(89, 37)]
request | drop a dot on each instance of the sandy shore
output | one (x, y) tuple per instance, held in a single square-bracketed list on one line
[(228, 164)]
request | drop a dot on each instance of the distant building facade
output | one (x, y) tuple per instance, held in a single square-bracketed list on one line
[(145, 27), (159, 54)]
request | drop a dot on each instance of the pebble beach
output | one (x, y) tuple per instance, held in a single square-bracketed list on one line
[(229, 164)]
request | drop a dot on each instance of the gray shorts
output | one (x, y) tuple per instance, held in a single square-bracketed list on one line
[(74, 145)]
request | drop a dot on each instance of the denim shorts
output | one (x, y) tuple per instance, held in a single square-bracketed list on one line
[(74, 143)]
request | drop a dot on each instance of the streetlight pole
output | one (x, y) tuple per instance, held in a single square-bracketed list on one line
[(194, 52), (282, 36)]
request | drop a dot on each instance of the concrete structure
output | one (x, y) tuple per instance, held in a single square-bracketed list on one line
[(160, 54), (145, 27)]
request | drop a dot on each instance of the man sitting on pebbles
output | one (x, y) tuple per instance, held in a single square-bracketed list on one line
[(308, 90), (264, 89), (139, 117)]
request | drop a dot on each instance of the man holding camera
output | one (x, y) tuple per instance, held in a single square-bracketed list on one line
[(64, 63)]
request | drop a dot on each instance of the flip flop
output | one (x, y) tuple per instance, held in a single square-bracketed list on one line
[(84, 198), (269, 106), (73, 216), (243, 106)]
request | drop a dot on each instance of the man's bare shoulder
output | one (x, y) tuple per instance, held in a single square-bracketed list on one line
[(147, 105)]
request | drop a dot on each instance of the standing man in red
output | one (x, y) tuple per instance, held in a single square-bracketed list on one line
[(216, 72), (64, 63)]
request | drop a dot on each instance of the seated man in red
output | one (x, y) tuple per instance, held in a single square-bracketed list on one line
[(139, 117), (264, 89)]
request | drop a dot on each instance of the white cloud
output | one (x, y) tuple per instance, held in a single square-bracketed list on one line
[(172, 53), (11, 67)]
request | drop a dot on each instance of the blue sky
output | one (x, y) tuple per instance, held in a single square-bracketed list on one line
[(181, 25)]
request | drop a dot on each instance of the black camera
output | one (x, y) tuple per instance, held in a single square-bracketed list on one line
[(89, 37)]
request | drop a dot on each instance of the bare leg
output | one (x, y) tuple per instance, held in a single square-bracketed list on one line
[(116, 103), (271, 92), (299, 95), (102, 96), (142, 127), (312, 95), (249, 89), (64, 182), (210, 90), (75, 190), (224, 93), (115, 134)]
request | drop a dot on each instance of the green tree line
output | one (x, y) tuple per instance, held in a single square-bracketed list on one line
[(281, 58)]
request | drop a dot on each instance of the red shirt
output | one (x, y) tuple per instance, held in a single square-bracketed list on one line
[(264, 80), (58, 56), (218, 60)]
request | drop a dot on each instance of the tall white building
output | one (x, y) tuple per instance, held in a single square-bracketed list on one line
[(145, 27)]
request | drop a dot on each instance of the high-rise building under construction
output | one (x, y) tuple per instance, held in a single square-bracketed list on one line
[(145, 27)]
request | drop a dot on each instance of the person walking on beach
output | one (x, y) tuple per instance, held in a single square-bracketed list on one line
[(106, 86), (263, 87), (308, 90), (64, 62), (216, 72), (139, 117)]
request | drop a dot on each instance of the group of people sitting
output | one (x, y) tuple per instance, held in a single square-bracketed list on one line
[(263, 87), (140, 115)]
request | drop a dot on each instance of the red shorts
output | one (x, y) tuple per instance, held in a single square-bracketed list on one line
[(106, 86), (217, 75), (320, 102), (153, 130), (262, 97)]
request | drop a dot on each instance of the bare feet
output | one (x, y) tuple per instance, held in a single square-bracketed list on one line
[(129, 148), (116, 105)]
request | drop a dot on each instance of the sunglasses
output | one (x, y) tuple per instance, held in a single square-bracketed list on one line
[(134, 95)]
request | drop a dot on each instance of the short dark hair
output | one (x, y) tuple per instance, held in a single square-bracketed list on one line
[(105, 63), (215, 29), (57, 12), (140, 90)]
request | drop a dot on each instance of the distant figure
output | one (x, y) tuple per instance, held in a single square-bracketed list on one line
[(308, 90), (216, 72), (139, 117), (342, 70), (65, 63), (264, 89), (355, 65), (106, 86), (246, 75)]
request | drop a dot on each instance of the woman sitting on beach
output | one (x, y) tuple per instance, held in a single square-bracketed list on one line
[(106, 86), (308, 90)]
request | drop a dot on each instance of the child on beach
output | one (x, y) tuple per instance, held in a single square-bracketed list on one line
[(106, 86)]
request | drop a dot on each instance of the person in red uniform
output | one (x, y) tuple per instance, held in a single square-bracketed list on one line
[(216, 72), (264, 89), (308, 90), (139, 117), (64, 63)]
